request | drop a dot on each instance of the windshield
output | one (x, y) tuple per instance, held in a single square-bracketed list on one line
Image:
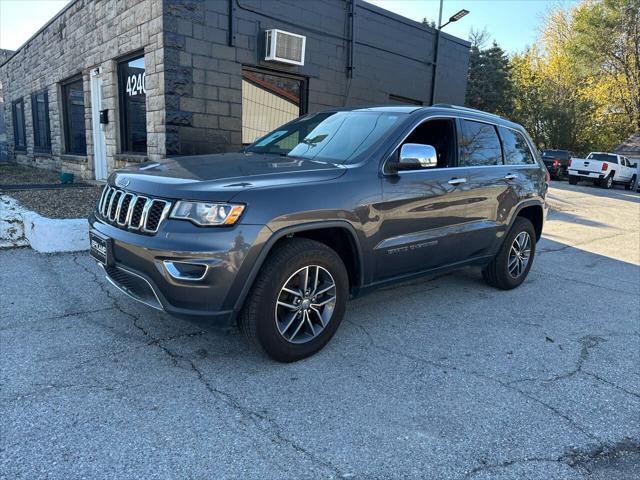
[(603, 157), (336, 137)]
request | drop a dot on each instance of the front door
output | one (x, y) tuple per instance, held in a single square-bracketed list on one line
[(99, 144)]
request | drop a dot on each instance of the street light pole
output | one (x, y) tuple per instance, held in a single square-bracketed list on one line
[(434, 71), (454, 18)]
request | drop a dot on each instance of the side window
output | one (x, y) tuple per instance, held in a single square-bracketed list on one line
[(440, 135), (516, 149), (40, 112), (479, 144), (19, 136)]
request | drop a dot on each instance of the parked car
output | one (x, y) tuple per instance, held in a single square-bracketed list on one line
[(278, 236), (557, 162), (604, 169)]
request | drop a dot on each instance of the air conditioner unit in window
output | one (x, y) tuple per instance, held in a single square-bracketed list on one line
[(285, 47)]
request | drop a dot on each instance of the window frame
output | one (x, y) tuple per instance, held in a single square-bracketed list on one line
[(526, 141), (304, 80), (304, 87), (65, 115), (390, 153), (14, 106), (459, 121), (37, 148), (122, 98)]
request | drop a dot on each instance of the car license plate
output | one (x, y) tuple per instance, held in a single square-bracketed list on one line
[(583, 172), (100, 247)]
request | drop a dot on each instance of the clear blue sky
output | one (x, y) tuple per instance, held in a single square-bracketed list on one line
[(513, 24)]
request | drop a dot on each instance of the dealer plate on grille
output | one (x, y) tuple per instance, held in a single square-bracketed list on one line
[(100, 247)]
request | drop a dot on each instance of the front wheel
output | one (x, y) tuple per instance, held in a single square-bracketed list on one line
[(511, 265), (297, 301), (631, 183)]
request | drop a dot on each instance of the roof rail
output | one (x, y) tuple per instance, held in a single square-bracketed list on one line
[(465, 109)]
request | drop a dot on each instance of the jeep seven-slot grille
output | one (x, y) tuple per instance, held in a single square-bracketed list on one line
[(130, 211)]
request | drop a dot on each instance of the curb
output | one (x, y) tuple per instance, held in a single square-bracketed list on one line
[(20, 227)]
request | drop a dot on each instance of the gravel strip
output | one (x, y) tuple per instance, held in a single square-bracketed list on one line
[(64, 203), (19, 174)]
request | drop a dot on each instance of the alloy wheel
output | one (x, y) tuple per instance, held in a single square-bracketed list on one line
[(305, 304), (519, 254)]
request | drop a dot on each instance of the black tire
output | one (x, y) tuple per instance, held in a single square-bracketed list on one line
[(631, 183), (573, 180), (257, 319), (607, 182), (496, 273)]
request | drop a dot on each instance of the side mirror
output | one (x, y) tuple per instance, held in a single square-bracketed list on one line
[(414, 156)]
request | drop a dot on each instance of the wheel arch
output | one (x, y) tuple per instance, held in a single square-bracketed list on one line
[(331, 233), (532, 211)]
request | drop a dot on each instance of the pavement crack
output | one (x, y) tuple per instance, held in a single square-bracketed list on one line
[(573, 458), (446, 367), (588, 342), (612, 384)]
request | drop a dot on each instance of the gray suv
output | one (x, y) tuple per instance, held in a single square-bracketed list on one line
[(277, 237)]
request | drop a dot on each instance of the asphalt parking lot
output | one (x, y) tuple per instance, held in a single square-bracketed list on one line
[(443, 378)]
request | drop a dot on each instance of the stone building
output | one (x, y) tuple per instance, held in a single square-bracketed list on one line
[(108, 83)]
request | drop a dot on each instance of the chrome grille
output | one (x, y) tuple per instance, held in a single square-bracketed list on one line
[(130, 211)]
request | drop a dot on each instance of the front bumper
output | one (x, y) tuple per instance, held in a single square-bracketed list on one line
[(141, 266)]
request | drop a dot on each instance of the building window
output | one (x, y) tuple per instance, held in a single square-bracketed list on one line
[(133, 107), (73, 117), (268, 101), (19, 135), (40, 112), (400, 100)]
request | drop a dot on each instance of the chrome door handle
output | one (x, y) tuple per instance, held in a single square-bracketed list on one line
[(457, 181), (510, 176)]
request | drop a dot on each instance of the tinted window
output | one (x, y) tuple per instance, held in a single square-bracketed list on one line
[(516, 149), (73, 110), (19, 136), (479, 144), (40, 112), (603, 157), (133, 97)]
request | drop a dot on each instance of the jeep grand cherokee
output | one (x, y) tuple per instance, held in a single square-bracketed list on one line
[(277, 237)]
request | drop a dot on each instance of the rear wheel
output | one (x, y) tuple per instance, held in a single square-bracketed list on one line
[(607, 182), (511, 265), (297, 302), (573, 180)]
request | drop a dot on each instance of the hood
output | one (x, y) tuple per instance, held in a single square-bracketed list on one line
[(220, 177)]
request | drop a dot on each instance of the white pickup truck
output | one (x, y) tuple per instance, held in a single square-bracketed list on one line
[(603, 169)]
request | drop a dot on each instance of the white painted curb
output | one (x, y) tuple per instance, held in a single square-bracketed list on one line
[(46, 235)]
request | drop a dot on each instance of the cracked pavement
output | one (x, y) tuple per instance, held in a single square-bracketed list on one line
[(439, 378)]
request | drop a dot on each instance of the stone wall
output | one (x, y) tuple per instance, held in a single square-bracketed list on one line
[(4, 137), (392, 56), (86, 35)]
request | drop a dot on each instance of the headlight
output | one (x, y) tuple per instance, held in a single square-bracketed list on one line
[(206, 214)]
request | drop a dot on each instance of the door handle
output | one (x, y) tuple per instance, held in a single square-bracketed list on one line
[(510, 176), (457, 181)]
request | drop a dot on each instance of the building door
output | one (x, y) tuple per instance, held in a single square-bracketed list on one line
[(99, 145)]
